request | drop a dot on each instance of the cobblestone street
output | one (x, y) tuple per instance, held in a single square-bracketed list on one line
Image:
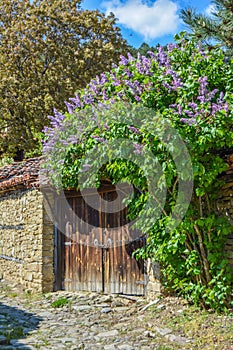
[(79, 320)]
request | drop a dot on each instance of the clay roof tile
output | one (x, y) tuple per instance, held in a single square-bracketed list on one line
[(23, 173)]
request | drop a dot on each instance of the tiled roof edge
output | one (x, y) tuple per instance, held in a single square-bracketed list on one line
[(23, 173)]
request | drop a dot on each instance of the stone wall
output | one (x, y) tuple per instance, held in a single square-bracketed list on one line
[(48, 244), (26, 241)]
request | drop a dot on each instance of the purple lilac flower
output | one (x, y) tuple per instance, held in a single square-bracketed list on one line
[(162, 58), (189, 121), (226, 107), (220, 99), (177, 83), (192, 105), (88, 99), (70, 107), (47, 148), (56, 120), (143, 65), (219, 107), (201, 98), (97, 138), (97, 80), (176, 79), (104, 78), (146, 61), (130, 57), (135, 87), (59, 116), (120, 94), (101, 104), (211, 95), (93, 86), (129, 84), (73, 139), (76, 101), (128, 73), (215, 108), (171, 47), (140, 67), (201, 51), (152, 54), (105, 96), (137, 98), (171, 72), (134, 130), (46, 130), (167, 86), (138, 149), (221, 95), (65, 143), (202, 89), (123, 60), (173, 105), (189, 113), (116, 82), (179, 108), (107, 127), (138, 86)]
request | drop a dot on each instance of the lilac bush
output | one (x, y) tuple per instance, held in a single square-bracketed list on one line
[(193, 89)]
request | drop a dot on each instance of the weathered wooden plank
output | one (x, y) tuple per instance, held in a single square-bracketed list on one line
[(89, 260)]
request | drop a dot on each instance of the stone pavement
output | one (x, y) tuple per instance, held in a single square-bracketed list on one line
[(79, 320)]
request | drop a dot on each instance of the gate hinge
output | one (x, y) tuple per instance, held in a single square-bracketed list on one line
[(68, 243)]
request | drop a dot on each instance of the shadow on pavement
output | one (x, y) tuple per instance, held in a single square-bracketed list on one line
[(15, 324)]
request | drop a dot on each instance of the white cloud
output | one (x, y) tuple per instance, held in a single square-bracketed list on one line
[(150, 19), (210, 9)]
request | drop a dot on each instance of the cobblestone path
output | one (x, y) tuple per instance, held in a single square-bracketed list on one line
[(80, 320)]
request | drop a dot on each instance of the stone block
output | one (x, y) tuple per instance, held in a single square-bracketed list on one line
[(29, 277)]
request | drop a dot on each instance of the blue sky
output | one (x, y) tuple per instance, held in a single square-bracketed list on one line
[(151, 21)]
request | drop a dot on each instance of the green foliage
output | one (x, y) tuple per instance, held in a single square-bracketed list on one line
[(191, 88), (14, 333), (5, 161), (143, 49), (60, 302), (217, 27), (48, 49)]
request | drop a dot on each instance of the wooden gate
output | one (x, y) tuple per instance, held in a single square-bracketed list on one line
[(94, 248)]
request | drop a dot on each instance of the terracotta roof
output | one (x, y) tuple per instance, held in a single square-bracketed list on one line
[(26, 173), (23, 173)]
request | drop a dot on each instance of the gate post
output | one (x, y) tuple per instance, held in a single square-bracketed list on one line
[(153, 285)]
